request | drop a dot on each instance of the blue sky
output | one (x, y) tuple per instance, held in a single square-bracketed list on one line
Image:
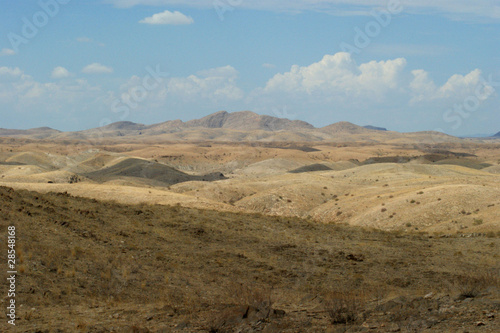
[(407, 66)]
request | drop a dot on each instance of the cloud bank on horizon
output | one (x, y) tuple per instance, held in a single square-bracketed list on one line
[(427, 66), (336, 80)]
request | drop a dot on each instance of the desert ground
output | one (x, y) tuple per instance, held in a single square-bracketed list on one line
[(221, 229)]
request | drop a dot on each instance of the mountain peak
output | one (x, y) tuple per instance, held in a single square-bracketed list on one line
[(124, 125), (247, 121), (344, 126), (214, 120)]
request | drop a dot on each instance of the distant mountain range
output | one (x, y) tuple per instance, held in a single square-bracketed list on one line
[(375, 128), (235, 126)]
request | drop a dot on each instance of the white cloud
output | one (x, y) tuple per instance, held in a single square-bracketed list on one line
[(26, 96), (60, 73), (460, 85), (167, 17), (96, 68), (422, 86), (339, 75), (385, 92), (7, 72), (339, 78), (457, 88), (457, 8), (217, 84), (332, 89), (7, 52), (27, 102), (196, 94)]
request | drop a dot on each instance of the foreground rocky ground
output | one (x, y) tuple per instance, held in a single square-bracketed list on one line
[(95, 266)]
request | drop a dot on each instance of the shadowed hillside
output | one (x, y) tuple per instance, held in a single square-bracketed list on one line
[(157, 173)]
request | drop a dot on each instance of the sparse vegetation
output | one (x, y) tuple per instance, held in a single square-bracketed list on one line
[(473, 284), (73, 179), (344, 306), (192, 268)]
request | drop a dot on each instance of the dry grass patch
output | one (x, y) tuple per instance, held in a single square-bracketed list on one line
[(474, 284), (345, 306)]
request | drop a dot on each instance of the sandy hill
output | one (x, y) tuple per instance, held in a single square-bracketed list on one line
[(441, 198)]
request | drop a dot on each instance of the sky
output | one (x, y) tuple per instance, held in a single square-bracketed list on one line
[(399, 64)]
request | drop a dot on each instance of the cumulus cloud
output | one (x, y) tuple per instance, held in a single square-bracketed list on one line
[(457, 87), (40, 100), (332, 89), (460, 85), (7, 52), (168, 17), (8, 72), (339, 75), (213, 84), (97, 68), (74, 102), (379, 92), (60, 73)]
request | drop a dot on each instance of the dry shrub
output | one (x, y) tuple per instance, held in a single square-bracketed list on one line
[(256, 296), (250, 302), (345, 306), (216, 325), (472, 285)]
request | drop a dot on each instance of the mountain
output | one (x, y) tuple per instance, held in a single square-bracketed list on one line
[(344, 127), (248, 121), (233, 127), (240, 121), (497, 135), (36, 133), (124, 125)]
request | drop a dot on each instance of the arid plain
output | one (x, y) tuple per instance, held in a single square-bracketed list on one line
[(239, 223)]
